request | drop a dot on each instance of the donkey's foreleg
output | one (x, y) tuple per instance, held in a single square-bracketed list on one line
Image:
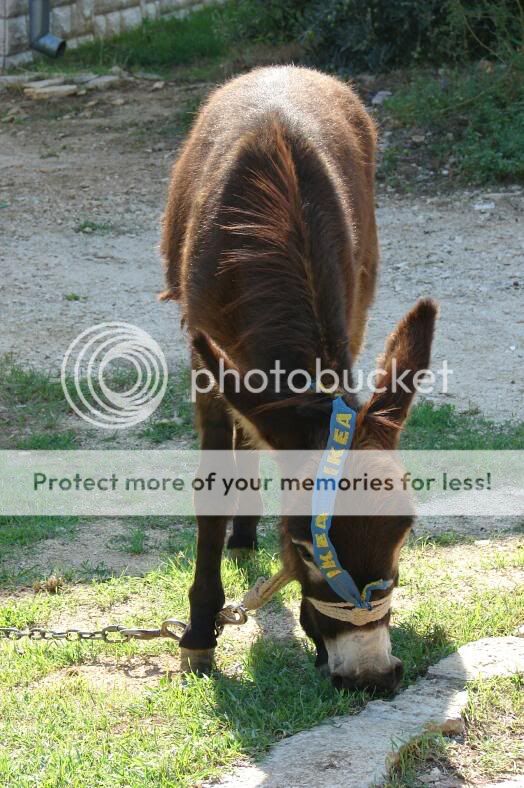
[(206, 596), (244, 536)]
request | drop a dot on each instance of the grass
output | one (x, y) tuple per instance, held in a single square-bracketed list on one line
[(34, 407), (204, 45), (433, 426), (35, 411), (74, 297), (87, 227), (49, 441), (156, 44), (26, 531), (76, 727), (134, 542), (498, 748), (85, 719), (31, 401), (473, 119), (174, 417), (34, 399), (492, 745)]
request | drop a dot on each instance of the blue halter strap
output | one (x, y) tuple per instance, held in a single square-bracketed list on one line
[(341, 432)]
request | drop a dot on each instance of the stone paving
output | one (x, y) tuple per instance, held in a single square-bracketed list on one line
[(358, 751)]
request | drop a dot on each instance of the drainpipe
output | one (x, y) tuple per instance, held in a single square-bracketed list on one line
[(39, 36)]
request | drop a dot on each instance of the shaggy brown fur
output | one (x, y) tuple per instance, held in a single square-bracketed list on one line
[(269, 243), (283, 183)]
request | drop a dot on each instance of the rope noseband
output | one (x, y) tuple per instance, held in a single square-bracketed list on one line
[(345, 611)]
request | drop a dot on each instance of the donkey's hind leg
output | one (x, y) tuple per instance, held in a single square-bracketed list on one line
[(243, 539), (206, 596)]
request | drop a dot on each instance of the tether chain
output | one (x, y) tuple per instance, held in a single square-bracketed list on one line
[(231, 614), (236, 615), (257, 596), (110, 634)]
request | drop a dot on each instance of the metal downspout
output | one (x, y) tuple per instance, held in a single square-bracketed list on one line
[(39, 36)]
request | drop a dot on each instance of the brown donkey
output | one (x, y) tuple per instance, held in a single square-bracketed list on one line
[(269, 242)]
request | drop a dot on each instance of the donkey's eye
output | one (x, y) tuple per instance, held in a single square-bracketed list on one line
[(303, 552)]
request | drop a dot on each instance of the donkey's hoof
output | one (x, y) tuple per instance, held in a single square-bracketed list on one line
[(197, 660)]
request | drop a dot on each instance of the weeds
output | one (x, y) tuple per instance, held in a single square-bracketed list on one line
[(474, 119), (155, 44), (74, 296), (492, 744), (87, 227), (135, 542)]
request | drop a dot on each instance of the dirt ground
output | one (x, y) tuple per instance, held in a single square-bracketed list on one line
[(69, 162)]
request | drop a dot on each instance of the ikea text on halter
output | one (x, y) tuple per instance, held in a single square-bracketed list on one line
[(341, 432)]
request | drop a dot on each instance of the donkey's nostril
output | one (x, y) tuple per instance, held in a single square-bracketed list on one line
[(389, 681)]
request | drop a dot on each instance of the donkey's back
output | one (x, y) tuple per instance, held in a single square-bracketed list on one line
[(312, 139)]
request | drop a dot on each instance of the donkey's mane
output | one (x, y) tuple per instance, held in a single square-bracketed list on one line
[(282, 245)]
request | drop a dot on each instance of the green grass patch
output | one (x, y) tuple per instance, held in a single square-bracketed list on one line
[(498, 749), (420, 753), (88, 227), (31, 400), (135, 542), (155, 44), (74, 727), (49, 441), (174, 417), (33, 405), (74, 297), (27, 387), (492, 745), (26, 531), (473, 118), (208, 45), (442, 427), (35, 409)]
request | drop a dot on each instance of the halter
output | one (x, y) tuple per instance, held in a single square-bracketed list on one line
[(356, 607)]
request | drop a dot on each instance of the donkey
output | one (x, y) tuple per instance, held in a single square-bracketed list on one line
[(269, 243)]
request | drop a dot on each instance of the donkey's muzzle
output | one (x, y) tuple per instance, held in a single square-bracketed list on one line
[(386, 681)]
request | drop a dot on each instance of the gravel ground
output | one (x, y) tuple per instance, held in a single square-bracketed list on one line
[(70, 162)]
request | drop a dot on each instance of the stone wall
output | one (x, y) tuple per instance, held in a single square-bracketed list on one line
[(77, 21)]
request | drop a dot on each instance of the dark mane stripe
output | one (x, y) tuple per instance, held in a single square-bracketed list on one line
[(267, 214)]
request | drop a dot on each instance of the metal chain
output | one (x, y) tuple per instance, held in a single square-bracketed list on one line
[(110, 634), (231, 614), (257, 596)]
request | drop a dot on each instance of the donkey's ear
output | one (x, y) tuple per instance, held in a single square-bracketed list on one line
[(247, 403), (406, 356), (279, 421), (224, 372)]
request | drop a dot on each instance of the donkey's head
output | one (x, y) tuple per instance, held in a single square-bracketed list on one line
[(352, 643)]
